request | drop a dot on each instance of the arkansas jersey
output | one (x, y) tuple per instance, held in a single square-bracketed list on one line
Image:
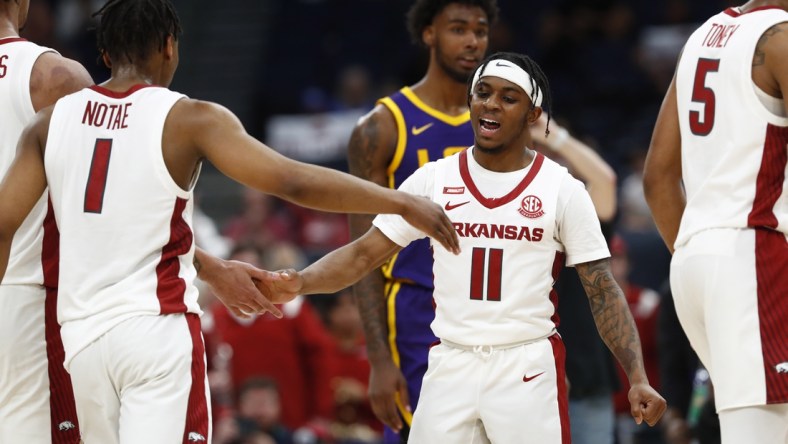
[(515, 229), (423, 134), (733, 163), (17, 57), (113, 196)]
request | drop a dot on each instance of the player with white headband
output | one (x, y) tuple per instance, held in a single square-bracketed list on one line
[(497, 374)]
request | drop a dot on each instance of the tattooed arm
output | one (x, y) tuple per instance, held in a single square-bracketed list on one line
[(617, 328), (370, 151), (769, 65)]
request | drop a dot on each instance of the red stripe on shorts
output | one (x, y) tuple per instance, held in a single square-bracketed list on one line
[(559, 354), (62, 409), (771, 261), (197, 411)]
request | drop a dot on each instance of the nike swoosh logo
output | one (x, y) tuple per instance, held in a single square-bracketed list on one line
[(416, 131), (449, 206), (527, 378), (502, 64)]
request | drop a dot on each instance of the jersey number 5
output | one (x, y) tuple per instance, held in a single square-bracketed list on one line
[(705, 95), (494, 267), (97, 178)]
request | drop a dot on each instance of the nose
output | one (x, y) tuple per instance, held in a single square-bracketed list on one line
[(491, 102)]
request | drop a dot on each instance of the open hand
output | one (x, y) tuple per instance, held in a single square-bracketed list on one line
[(429, 217)]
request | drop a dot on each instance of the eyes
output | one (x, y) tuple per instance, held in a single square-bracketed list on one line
[(484, 93), (461, 30)]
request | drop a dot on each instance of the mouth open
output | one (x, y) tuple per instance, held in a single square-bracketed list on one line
[(488, 127)]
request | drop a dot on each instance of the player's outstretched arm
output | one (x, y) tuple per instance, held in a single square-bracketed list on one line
[(233, 282), (333, 272), (372, 145), (216, 134), (617, 328), (662, 172), (585, 163), (24, 183)]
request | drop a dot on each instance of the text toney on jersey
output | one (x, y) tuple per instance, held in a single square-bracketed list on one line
[(111, 117), (497, 231)]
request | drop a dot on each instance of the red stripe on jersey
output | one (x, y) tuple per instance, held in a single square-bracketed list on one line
[(119, 95), (559, 355), (171, 287), (12, 40), (197, 410), (62, 407), (50, 250), (496, 202), (771, 175), (558, 265), (735, 13), (771, 261)]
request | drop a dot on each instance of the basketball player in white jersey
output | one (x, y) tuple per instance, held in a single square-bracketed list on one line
[(36, 400), (120, 160), (715, 180), (497, 374)]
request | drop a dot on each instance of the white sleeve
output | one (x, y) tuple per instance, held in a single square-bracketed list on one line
[(578, 227), (420, 183)]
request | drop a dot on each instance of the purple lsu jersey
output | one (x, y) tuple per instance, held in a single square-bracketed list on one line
[(423, 134)]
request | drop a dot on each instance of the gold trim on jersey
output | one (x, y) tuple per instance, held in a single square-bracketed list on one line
[(402, 138), (391, 290), (443, 117)]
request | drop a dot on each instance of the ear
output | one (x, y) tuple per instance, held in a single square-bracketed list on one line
[(534, 114), (107, 61), (428, 36), (169, 47)]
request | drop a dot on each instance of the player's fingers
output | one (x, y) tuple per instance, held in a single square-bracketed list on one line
[(402, 392), (636, 409), (237, 312), (265, 275), (386, 410), (266, 305)]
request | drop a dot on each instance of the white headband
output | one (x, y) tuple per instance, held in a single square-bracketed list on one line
[(509, 71)]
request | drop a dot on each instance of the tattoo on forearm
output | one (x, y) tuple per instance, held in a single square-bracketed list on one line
[(759, 57), (371, 304), (611, 313), (362, 148)]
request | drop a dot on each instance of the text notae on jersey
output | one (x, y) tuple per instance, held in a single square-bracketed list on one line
[(126, 243), (423, 134), (515, 229), (733, 151), (17, 57)]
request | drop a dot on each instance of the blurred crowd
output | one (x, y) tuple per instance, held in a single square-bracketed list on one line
[(302, 379)]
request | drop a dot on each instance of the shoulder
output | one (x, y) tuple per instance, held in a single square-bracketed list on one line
[(55, 76), (200, 115), (377, 125)]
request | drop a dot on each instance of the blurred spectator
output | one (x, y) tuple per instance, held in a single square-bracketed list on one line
[(644, 305), (259, 410), (263, 221), (354, 420)]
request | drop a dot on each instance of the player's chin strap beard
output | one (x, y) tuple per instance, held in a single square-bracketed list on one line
[(507, 70)]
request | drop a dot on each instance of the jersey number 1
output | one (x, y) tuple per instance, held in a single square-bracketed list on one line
[(97, 178), (494, 268), (705, 95)]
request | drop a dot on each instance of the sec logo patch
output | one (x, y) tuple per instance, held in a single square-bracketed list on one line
[(531, 207)]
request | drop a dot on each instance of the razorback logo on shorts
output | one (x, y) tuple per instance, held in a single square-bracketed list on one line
[(782, 367), (195, 437), (66, 425), (531, 207)]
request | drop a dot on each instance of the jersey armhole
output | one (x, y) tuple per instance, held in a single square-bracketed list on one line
[(402, 137)]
